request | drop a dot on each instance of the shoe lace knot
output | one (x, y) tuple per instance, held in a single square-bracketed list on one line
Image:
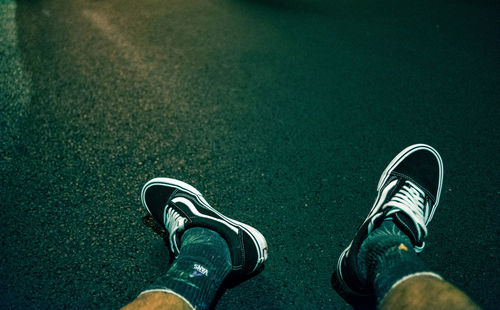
[(410, 199), (174, 222)]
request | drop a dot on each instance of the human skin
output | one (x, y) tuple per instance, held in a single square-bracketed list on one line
[(419, 292), (157, 301), (426, 292)]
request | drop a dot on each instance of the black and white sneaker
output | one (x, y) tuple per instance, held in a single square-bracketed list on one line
[(408, 192), (179, 206)]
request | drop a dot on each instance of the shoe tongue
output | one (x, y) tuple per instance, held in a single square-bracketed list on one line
[(407, 226)]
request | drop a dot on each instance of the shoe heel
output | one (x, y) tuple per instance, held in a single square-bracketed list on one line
[(356, 300)]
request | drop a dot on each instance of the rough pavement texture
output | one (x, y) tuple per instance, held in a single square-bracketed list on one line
[(284, 113)]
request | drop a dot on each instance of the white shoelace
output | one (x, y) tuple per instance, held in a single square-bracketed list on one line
[(410, 200), (173, 222)]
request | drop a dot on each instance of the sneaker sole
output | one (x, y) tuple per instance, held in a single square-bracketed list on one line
[(258, 239)]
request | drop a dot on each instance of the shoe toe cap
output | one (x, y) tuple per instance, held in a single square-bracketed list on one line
[(155, 198), (423, 167)]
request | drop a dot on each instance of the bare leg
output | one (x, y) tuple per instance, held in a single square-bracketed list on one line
[(426, 292), (157, 300), (204, 250), (381, 263)]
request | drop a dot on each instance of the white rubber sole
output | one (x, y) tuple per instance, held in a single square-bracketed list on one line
[(258, 239)]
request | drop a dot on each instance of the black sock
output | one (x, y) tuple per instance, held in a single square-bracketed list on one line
[(386, 257), (203, 263)]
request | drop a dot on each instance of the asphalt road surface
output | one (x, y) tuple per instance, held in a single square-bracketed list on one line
[(284, 113)]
